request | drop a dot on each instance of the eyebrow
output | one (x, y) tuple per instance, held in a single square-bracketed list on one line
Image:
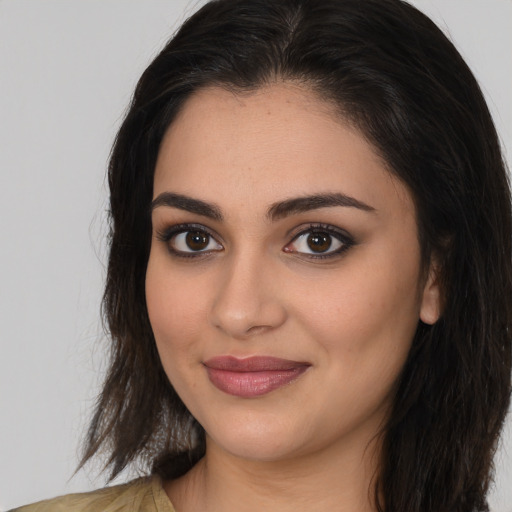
[(288, 207), (276, 211), (188, 204)]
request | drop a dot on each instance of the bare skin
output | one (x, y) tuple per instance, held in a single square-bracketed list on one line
[(242, 265)]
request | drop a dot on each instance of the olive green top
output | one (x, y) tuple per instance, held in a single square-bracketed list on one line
[(141, 495)]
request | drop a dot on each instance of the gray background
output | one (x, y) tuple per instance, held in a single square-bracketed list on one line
[(67, 70)]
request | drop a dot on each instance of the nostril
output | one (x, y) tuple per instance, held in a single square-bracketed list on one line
[(258, 329)]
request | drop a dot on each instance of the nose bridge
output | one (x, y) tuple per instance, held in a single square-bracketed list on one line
[(246, 302)]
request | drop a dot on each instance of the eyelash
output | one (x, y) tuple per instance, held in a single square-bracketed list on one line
[(342, 236), (168, 234), (346, 240)]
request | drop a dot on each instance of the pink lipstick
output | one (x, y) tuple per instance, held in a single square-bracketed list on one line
[(252, 376)]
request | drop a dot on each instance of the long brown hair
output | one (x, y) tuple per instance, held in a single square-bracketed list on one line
[(388, 69)]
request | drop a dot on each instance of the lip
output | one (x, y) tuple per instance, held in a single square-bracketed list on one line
[(252, 376)]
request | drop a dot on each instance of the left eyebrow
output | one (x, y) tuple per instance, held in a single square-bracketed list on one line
[(307, 203)]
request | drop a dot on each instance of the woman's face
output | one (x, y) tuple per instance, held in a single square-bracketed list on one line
[(284, 283)]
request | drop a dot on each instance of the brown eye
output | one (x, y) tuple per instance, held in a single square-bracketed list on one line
[(190, 242), (197, 241), (319, 242)]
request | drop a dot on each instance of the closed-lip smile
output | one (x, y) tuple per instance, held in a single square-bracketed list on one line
[(252, 376)]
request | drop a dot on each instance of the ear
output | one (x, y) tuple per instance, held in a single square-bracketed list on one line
[(430, 309)]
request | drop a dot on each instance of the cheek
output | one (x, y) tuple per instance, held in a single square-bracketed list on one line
[(175, 307), (363, 317)]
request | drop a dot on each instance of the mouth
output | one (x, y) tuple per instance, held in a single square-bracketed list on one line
[(253, 376)]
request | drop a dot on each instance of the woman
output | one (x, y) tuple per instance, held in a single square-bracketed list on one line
[(310, 269)]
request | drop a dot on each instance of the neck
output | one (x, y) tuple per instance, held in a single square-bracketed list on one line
[(339, 479)]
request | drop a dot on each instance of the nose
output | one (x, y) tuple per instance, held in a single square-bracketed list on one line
[(247, 301)]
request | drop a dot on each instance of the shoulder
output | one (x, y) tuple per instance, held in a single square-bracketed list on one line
[(141, 495)]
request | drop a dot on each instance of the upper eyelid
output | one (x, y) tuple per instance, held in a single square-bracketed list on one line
[(297, 231), (175, 229), (291, 234)]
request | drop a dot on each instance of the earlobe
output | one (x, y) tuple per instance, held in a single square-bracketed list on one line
[(430, 309)]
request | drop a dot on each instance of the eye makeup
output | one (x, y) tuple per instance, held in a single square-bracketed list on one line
[(313, 241), (189, 240), (319, 241)]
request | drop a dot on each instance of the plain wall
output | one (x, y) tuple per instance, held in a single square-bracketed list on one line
[(67, 70)]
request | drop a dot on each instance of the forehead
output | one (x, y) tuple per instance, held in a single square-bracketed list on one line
[(260, 147)]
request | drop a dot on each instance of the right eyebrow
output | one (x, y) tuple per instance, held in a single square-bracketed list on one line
[(188, 204)]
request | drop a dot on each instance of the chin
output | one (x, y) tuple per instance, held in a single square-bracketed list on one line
[(262, 439)]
